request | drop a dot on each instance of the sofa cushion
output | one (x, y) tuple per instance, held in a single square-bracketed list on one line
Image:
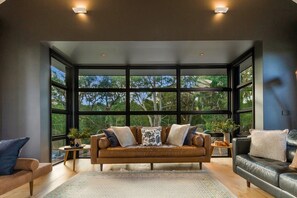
[(265, 169), (124, 135), (291, 145), (269, 144), (288, 182), (151, 151), (9, 152), (177, 134), (190, 135), (111, 137), (151, 137)]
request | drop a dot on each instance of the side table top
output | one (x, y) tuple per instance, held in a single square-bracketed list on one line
[(73, 148), (218, 146)]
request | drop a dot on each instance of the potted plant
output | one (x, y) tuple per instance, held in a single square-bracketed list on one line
[(77, 135), (226, 127)]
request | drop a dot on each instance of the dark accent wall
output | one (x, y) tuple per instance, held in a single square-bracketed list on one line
[(24, 70)]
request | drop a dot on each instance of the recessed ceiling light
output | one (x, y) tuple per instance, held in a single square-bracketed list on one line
[(79, 10), (221, 10), (201, 54), (103, 55), (295, 1), (1, 1)]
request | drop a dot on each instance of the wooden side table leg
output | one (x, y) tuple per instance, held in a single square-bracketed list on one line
[(211, 150), (66, 157), (74, 159)]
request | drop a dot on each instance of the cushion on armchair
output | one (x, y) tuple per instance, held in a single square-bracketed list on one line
[(9, 152)]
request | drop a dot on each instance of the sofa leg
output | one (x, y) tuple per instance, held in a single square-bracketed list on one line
[(152, 166), (101, 167), (248, 184), (31, 187), (200, 165)]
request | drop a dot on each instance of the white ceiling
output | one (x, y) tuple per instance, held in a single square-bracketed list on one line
[(151, 52)]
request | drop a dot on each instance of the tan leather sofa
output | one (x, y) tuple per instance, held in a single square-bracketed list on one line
[(102, 153), (26, 170)]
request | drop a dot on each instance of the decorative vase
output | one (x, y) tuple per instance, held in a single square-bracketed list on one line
[(227, 138), (77, 142)]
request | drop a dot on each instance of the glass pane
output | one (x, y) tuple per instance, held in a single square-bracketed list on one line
[(153, 101), (99, 78), (58, 71), (246, 120), (58, 124), (57, 155), (246, 75), (204, 101), (143, 78), (102, 101), (203, 122), (58, 98), (152, 120), (204, 78), (99, 122), (246, 97)]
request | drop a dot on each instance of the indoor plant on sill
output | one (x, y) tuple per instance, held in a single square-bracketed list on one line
[(226, 127), (77, 135)]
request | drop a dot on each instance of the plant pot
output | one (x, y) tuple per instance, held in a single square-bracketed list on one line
[(77, 142), (227, 138)]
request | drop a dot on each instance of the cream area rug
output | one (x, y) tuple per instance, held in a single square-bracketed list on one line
[(145, 184)]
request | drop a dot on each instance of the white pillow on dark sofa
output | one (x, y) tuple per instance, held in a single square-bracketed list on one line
[(269, 144)]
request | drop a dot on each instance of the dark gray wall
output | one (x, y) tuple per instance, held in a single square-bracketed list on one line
[(24, 69)]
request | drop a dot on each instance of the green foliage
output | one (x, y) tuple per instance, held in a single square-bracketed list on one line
[(227, 126), (76, 134)]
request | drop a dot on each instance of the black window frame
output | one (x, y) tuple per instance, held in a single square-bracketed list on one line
[(68, 87)]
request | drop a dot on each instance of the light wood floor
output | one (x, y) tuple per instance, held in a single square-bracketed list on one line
[(220, 168)]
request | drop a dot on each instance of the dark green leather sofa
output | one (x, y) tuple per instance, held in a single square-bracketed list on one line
[(273, 176)]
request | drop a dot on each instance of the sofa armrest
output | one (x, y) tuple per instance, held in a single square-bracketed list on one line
[(95, 147), (206, 143), (28, 164), (240, 146)]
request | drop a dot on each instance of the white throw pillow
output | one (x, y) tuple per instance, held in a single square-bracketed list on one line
[(151, 137), (269, 144), (124, 135), (177, 134)]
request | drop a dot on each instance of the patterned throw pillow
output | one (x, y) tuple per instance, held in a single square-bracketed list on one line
[(151, 137)]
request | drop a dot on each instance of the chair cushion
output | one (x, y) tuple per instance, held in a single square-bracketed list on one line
[(9, 152), (152, 151), (265, 169), (288, 182)]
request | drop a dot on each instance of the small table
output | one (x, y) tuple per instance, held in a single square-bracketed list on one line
[(73, 149), (220, 147)]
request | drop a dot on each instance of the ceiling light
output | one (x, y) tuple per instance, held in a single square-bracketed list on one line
[(1, 1), (103, 55), (201, 54), (221, 10), (79, 10), (295, 1)]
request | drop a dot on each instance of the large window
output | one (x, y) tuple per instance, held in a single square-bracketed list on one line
[(60, 109), (151, 96), (244, 94)]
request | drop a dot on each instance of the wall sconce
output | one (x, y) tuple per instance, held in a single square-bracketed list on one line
[(79, 10), (221, 10)]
